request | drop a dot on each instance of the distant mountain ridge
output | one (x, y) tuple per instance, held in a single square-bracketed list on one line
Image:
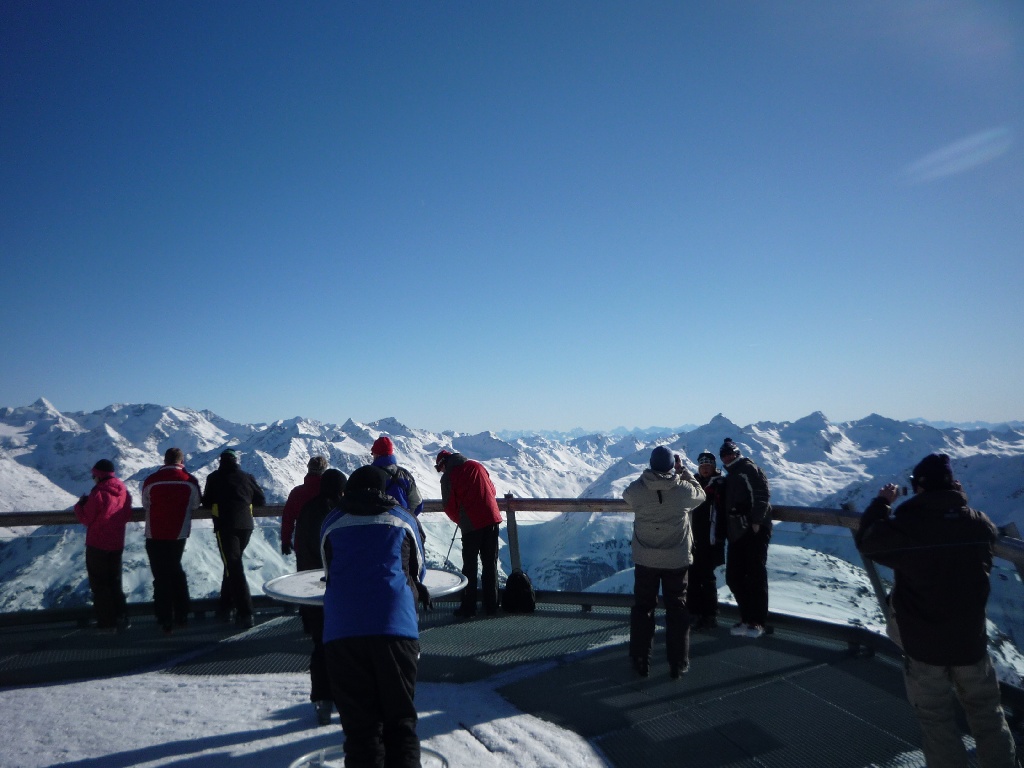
[(45, 456)]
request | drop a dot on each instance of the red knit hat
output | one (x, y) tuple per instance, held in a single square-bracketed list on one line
[(382, 446)]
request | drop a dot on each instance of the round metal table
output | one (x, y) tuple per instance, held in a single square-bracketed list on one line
[(307, 587)]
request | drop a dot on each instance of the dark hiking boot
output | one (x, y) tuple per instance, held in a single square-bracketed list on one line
[(245, 621), (675, 671), (323, 711), (642, 666)]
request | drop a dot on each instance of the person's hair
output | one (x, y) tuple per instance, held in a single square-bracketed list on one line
[(174, 456)]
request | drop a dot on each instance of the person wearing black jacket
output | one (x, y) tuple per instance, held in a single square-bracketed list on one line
[(230, 495), (940, 551), (308, 557), (745, 497), (708, 546)]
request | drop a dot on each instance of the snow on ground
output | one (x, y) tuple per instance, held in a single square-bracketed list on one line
[(256, 721)]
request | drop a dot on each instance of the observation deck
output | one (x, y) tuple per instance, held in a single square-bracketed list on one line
[(811, 693)]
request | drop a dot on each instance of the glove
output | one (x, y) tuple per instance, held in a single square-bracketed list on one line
[(286, 548), (424, 595)]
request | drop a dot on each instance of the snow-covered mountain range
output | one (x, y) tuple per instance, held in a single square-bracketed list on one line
[(45, 457)]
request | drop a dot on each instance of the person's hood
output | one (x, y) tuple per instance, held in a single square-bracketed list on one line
[(659, 481)]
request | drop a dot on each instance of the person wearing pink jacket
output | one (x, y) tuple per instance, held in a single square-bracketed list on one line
[(105, 512)]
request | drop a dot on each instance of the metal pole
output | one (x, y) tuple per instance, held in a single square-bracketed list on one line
[(513, 534)]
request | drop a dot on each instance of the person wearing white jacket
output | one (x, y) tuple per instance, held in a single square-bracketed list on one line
[(661, 499)]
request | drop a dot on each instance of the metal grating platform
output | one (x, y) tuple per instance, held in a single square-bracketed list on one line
[(778, 701)]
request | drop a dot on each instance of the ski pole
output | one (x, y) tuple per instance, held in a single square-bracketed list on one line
[(456, 533)]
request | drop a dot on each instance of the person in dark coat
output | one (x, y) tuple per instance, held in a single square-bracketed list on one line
[(940, 551), (308, 557), (374, 563), (469, 500), (230, 495), (709, 533), (105, 512), (745, 497)]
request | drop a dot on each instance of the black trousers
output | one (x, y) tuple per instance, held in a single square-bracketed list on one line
[(480, 545), (702, 591), (672, 582), (170, 585), (746, 573), (104, 570), (234, 590), (374, 683), (319, 680)]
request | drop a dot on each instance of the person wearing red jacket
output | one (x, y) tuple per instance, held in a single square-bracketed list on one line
[(299, 497), (469, 500), (169, 496), (105, 512)]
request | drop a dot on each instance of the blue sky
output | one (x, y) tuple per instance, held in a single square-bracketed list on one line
[(514, 215)]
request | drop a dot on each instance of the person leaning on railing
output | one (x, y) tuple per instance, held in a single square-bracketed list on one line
[(105, 511), (169, 496), (940, 551)]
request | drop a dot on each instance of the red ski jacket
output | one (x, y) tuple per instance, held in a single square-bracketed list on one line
[(468, 494), (170, 496), (299, 496)]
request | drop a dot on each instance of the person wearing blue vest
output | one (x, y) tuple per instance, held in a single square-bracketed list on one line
[(374, 564)]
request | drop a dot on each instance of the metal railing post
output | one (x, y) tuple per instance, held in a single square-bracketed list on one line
[(513, 534), (872, 571)]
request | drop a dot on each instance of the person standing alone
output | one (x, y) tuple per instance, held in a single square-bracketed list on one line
[(469, 500), (662, 501), (940, 551), (230, 496), (169, 496)]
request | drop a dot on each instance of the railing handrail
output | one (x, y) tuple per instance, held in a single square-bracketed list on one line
[(1007, 547)]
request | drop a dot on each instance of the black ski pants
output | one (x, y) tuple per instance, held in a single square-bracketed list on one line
[(234, 590), (104, 569), (702, 590), (374, 683), (170, 585), (480, 545), (319, 680), (672, 582), (746, 573)]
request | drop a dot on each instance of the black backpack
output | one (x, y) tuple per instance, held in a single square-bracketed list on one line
[(519, 596)]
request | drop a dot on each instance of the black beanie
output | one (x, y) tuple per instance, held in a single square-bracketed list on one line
[(933, 473), (104, 465), (332, 483), (728, 448), (366, 478)]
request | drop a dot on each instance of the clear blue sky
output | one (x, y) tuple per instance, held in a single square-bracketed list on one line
[(507, 215)]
